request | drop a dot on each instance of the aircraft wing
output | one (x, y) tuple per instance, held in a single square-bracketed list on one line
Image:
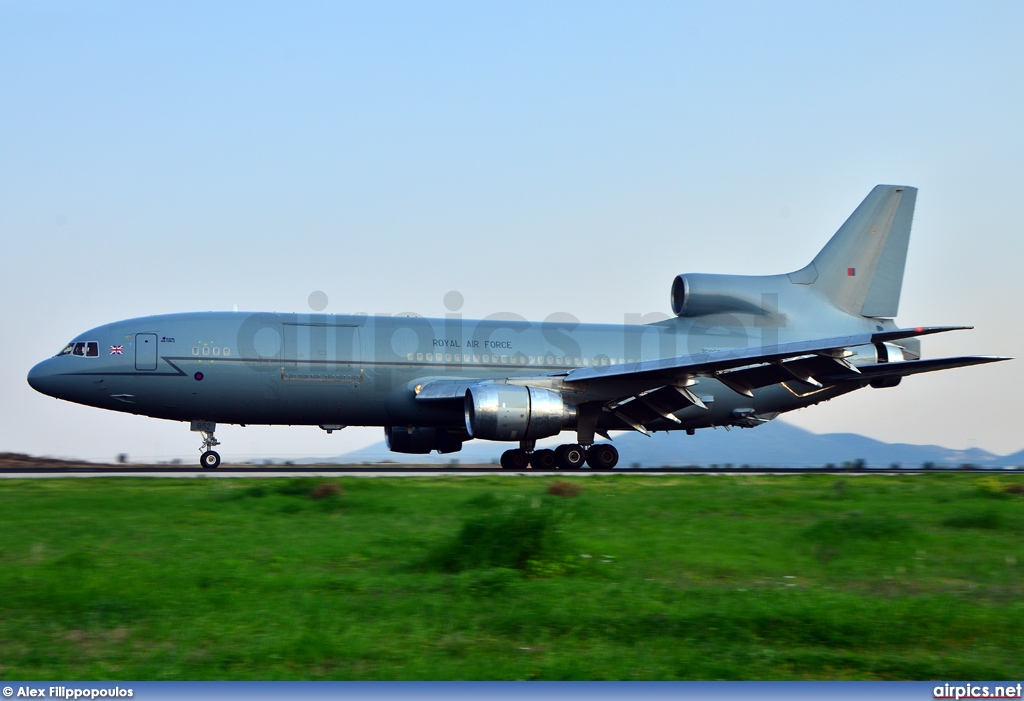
[(657, 389), (745, 369), (641, 391)]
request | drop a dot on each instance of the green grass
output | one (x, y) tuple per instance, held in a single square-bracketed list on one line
[(637, 577)]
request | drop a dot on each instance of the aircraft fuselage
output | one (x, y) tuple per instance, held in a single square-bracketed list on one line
[(317, 369)]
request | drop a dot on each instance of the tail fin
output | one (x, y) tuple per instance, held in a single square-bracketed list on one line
[(860, 269)]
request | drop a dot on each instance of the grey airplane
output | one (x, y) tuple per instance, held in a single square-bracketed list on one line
[(739, 351)]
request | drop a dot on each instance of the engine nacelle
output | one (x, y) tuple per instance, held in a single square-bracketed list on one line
[(697, 294), (876, 353), (421, 440), (515, 413)]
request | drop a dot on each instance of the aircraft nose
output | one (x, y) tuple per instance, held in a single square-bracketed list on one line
[(41, 378)]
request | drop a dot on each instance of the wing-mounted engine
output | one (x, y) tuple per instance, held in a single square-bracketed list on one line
[(876, 354), (515, 413)]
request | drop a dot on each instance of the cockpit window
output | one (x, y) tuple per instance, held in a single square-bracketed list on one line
[(85, 349)]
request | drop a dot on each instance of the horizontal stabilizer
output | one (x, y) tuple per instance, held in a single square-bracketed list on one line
[(898, 334), (909, 367)]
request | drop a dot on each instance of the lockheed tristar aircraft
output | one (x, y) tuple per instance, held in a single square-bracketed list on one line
[(739, 351)]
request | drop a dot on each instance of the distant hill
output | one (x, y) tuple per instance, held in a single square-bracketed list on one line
[(776, 444)]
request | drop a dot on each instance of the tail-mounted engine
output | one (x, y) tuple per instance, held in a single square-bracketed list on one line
[(698, 294), (515, 413)]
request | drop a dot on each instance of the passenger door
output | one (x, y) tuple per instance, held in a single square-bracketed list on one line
[(145, 351)]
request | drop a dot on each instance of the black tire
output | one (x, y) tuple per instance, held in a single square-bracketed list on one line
[(602, 456), (209, 460), (514, 460), (570, 457), (543, 460)]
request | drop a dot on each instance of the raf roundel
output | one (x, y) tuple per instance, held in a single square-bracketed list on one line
[(198, 376)]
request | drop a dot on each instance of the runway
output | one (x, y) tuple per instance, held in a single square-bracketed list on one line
[(40, 469)]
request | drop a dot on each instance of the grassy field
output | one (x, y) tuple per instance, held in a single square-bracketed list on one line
[(611, 577)]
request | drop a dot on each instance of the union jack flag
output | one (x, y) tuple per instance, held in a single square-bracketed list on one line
[(117, 350)]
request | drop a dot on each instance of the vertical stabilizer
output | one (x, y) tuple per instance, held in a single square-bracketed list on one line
[(860, 269)]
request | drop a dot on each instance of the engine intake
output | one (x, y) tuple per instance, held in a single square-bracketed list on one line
[(515, 413), (698, 294)]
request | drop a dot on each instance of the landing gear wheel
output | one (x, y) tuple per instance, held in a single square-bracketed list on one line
[(209, 460), (543, 460), (570, 457), (514, 460), (602, 456)]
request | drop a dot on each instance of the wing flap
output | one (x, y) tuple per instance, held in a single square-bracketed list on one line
[(811, 370)]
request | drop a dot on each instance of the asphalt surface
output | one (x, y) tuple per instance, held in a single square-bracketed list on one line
[(24, 466)]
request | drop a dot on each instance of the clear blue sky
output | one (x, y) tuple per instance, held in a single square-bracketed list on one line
[(536, 157)]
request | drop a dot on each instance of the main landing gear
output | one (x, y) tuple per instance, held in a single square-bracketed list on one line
[(600, 456)]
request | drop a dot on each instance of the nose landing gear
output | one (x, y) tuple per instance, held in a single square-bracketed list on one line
[(210, 459)]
